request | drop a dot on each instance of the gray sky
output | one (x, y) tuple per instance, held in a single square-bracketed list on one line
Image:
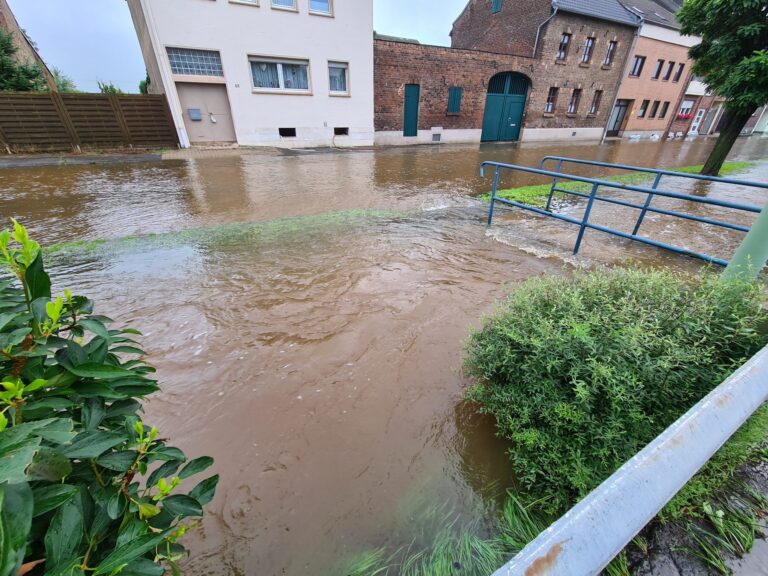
[(92, 40)]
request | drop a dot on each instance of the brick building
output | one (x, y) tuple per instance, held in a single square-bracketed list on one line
[(657, 76), (517, 70)]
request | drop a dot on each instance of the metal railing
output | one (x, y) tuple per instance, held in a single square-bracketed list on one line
[(644, 208), (593, 532)]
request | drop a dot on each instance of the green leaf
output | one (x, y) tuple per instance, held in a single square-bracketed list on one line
[(142, 567), (57, 430), (94, 326), (129, 552), (15, 461), (50, 497), (128, 350), (169, 453), (94, 411), (148, 510), (206, 490), (6, 318), (38, 281), (17, 336), (130, 531), (117, 461), (196, 466), (93, 444), (64, 535), (97, 389), (180, 505), (49, 465), (17, 513), (99, 371), (116, 505), (164, 471)]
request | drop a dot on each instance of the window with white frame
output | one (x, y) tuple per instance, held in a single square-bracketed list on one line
[(338, 78), (188, 62), (287, 4), (321, 7), (282, 75), (687, 107)]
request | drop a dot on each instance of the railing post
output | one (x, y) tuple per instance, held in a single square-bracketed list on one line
[(493, 195), (554, 185), (647, 204), (583, 228), (752, 255)]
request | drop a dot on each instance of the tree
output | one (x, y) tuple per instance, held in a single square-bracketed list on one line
[(733, 60), (14, 76), (109, 88), (63, 82), (144, 86)]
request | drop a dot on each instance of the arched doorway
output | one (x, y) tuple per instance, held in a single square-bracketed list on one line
[(504, 107)]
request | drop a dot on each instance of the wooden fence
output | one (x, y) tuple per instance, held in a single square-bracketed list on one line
[(54, 121)]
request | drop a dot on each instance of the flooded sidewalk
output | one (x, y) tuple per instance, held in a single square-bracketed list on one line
[(307, 314)]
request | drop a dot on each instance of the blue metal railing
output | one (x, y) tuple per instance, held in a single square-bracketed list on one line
[(644, 208)]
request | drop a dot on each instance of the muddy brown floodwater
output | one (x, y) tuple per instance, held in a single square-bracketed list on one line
[(307, 313)]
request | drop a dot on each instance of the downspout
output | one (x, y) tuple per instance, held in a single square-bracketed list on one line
[(538, 32), (624, 74)]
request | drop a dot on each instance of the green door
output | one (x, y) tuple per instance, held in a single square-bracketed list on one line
[(411, 110), (504, 107)]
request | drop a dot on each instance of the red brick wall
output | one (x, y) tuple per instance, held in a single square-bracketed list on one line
[(435, 69), (572, 74), (510, 31)]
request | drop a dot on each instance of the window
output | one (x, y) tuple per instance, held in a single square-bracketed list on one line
[(341, 131), (668, 73), (654, 109), (573, 105), (637, 66), (324, 7), (454, 100), (657, 70), (610, 53), (565, 42), (643, 109), (287, 132), (337, 78), (664, 109), (195, 62), (290, 75), (679, 72), (496, 6), (589, 47), (289, 4), (549, 108), (686, 108), (594, 108)]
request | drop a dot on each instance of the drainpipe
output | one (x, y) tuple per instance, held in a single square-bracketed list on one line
[(624, 74), (538, 32)]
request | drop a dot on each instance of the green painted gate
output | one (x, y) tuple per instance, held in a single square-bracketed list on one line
[(504, 107), (411, 110)]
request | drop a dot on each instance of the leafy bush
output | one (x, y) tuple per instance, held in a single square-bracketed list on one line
[(76, 492), (581, 373)]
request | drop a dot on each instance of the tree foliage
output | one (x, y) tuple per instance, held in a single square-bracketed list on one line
[(733, 54), (86, 487), (16, 77), (63, 82), (108, 88)]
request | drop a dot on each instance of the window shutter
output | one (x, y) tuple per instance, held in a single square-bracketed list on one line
[(496, 6), (454, 100)]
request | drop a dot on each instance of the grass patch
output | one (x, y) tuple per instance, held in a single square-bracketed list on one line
[(537, 195)]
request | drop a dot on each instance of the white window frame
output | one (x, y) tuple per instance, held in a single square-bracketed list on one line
[(246, 2), (293, 8), (281, 79), (338, 64), (330, 12)]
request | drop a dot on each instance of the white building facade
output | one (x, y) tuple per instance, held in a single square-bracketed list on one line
[(286, 73)]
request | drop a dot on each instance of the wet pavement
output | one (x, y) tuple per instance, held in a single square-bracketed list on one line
[(307, 311)]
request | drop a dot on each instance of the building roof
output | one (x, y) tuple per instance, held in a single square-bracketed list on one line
[(611, 10), (655, 12)]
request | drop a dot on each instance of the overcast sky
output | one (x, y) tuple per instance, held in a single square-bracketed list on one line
[(92, 40)]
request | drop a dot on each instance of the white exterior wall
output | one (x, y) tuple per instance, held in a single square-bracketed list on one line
[(242, 29), (649, 30)]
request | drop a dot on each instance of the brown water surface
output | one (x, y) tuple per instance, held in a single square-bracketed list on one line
[(307, 312)]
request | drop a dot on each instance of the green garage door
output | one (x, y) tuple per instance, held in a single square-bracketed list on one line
[(504, 107)]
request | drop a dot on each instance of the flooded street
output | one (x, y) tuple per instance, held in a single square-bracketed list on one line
[(307, 313)]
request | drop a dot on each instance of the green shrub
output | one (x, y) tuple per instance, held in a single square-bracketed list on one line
[(581, 373), (85, 486)]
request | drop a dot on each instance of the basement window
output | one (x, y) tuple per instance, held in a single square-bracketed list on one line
[(341, 131), (287, 132)]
